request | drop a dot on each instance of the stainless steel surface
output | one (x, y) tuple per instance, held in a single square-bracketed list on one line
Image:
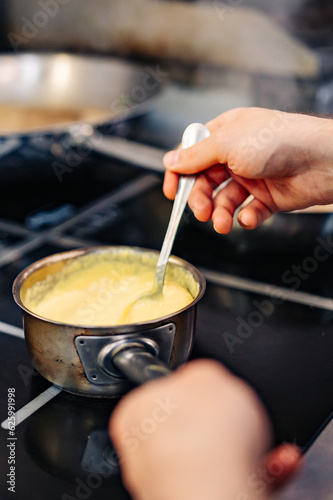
[(65, 81), (223, 34), (51, 344), (140, 155), (61, 81), (195, 132), (185, 186), (138, 364), (96, 353)]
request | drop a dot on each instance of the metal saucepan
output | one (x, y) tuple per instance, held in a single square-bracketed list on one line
[(100, 361), (56, 105)]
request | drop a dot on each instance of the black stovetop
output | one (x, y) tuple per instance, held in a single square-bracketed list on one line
[(277, 337)]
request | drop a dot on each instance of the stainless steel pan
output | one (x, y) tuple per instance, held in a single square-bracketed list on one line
[(99, 361), (101, 94)]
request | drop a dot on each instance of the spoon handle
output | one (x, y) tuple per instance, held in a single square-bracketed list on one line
[(195, 132)]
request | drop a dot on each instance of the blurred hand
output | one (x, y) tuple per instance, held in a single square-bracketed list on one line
[(200, 433), (283, 160)]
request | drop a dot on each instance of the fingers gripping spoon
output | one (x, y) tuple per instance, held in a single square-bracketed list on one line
[(194, 133)]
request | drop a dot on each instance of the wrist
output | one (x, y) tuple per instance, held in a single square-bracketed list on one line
[(320, 158)]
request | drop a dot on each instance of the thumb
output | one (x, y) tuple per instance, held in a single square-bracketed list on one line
[(280, 465), (200, 156)]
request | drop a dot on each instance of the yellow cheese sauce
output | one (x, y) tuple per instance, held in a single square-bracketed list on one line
[(97, 290)]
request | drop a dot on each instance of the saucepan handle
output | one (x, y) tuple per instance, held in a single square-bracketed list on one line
[(137, 364)]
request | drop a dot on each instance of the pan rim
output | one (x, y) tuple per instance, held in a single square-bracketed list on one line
[(67, 255)]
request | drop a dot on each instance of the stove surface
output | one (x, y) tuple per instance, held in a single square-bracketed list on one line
[(279, 338)]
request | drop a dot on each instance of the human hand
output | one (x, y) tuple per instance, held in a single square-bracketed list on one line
[(284, 161), (200, 433)]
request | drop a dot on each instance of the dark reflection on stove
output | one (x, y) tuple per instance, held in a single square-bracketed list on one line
[(100, 455), (68, 439)]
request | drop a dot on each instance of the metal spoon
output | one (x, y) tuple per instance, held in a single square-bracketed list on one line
[(195, 132)]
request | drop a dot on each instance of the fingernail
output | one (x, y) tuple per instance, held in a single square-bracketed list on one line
[(171, 158), (242, 222), (246, 220), (289, 453)]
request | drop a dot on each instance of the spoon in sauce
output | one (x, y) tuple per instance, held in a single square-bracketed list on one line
[(194, 133)]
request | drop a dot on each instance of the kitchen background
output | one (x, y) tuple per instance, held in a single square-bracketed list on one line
[(206, 57)]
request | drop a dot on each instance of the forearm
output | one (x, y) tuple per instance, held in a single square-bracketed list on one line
[(320, 157)]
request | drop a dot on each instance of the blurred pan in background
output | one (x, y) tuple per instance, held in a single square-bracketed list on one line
[(47, 99)]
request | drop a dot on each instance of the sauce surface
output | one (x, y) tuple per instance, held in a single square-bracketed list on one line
[(98, 292)]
